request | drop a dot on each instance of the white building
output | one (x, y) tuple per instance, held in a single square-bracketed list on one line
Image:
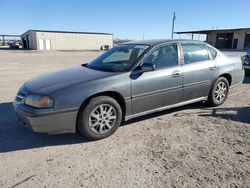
[(65, 40), (236, 38)]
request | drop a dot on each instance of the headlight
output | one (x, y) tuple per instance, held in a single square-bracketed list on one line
[(245, 60), (39, 101)]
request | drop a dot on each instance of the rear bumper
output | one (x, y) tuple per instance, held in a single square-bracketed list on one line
[(237, 78), (55, 122)]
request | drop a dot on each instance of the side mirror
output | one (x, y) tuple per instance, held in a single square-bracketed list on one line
[(147, 67)]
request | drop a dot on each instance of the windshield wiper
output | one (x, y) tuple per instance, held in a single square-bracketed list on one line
[(95, 68)]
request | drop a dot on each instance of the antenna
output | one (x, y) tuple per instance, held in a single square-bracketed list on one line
[(173, 22)]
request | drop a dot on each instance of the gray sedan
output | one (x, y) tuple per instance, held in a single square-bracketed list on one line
[(129, 80)]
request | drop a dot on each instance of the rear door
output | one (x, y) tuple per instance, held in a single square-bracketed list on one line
[(199, 70), (159, 88)]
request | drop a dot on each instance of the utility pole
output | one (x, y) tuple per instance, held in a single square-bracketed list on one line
[(173, 25)]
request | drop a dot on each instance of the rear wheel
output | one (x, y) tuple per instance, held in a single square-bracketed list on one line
[(100, 118), (219, 92)]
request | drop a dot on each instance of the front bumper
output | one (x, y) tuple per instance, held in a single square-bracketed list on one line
[(247, 68), (47, 121)]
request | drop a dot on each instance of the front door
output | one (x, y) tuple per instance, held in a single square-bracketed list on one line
[(47, 44), (41, 44), (199, 71), (159, 88)]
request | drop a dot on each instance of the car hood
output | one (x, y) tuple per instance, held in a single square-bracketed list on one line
[(64, 78)]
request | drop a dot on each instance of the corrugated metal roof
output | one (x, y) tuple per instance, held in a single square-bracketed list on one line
[(212, 30), (75, 32)]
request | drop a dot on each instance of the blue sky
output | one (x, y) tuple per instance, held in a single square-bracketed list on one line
[(124, 18)]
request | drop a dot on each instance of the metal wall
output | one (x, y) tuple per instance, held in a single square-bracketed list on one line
[(30, 38), (65, 41), (72, 41)]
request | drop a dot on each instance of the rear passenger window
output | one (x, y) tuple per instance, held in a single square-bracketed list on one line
[(194, 53)]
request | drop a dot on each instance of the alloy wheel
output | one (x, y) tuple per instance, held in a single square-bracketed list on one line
[(102, 118), (220, 92)]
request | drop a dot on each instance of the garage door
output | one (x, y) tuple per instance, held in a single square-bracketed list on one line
[(247, 41), (224, 40)]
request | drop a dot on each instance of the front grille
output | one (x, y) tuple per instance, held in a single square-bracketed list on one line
[(20, 97)]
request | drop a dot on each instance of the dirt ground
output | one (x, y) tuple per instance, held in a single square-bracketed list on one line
[(191, 146)]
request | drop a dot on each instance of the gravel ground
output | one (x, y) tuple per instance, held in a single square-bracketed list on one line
[(191, 146)]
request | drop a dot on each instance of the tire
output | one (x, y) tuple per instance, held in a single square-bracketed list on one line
[(100, 118), (219, 92)]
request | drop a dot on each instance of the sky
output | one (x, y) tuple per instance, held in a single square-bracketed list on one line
[(126, 19)]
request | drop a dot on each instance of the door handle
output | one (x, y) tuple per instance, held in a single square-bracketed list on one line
[(176, 74), (213, 67)]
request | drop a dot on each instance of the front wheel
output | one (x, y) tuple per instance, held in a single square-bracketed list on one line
[(100, 118), (219, 92)]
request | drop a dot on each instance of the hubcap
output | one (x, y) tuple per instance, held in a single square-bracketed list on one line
[(102, 118), (220, 92)]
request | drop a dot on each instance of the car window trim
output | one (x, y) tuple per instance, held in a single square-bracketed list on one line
[(210, 53)]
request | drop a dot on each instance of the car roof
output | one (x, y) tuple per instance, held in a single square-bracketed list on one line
[(156, 42)]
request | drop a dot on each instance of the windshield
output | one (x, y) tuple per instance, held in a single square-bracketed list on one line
[(118, 59)]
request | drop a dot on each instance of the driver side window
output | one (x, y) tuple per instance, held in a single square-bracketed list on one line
[(163, 57)]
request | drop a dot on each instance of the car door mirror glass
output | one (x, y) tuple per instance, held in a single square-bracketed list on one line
[(147, 67)]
